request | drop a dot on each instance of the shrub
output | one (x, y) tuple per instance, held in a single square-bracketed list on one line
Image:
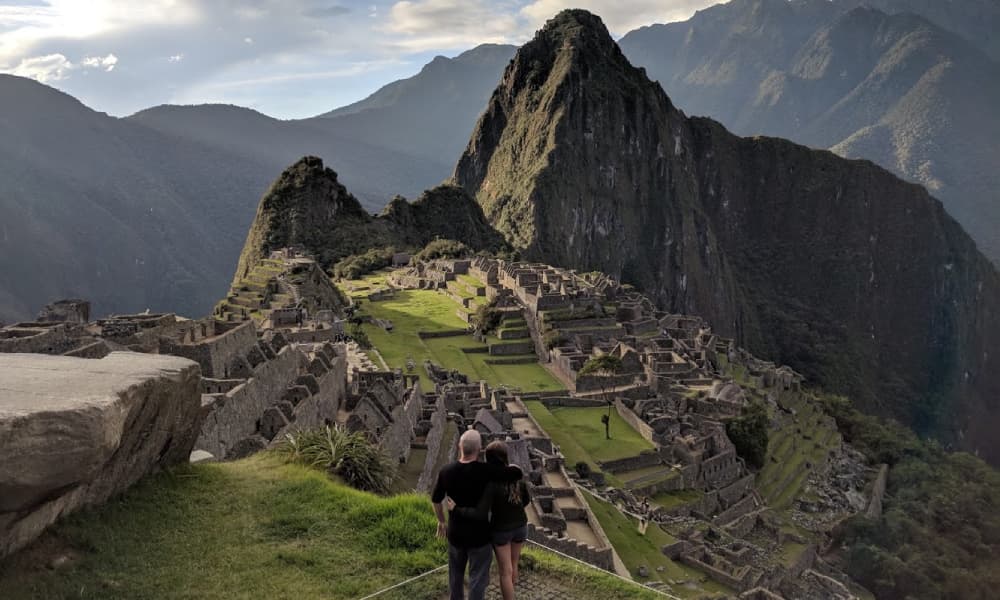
[(444, 249), (582, 469), (359, 265), (487, 317), (605, 365), (349, 455)]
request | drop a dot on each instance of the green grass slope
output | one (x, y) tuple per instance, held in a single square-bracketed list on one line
[(257, 528)]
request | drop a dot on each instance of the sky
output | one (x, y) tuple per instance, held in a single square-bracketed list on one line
[(285, 58)]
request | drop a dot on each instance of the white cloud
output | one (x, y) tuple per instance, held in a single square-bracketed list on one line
[(101, 62), (48, 68), (447, 24), (620, 17), (288, 57)]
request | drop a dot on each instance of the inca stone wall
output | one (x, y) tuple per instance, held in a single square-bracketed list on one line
[(233, 416), (217, 354)]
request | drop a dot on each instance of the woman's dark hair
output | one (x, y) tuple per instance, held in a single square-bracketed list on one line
[(496, 454)]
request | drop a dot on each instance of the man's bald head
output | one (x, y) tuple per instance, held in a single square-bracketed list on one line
[(469, 445)]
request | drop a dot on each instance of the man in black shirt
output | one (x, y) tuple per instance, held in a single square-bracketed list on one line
[(468, 539)]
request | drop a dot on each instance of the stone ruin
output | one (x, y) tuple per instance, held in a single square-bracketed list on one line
[(74, 311), (270, 364)]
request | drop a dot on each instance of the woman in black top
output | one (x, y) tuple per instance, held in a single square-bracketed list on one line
[(503, 504)]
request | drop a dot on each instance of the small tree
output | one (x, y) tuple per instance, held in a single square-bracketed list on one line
[(604, 366), (487, 317)]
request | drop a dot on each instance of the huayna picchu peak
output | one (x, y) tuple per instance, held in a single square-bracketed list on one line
[(836, 267)]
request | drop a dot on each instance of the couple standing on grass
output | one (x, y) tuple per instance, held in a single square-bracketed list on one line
[(485, 502)]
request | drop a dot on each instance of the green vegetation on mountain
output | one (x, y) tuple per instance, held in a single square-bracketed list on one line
[(749, 433), (939, 535), (357, 266), (835, 267), (307, 207), (444, 249)]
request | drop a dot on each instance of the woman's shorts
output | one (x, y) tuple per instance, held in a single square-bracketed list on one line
[(517, 535)]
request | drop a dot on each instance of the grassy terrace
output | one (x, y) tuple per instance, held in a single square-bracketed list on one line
[(636, 549), (670, 500), (580, 434), (255, 528), (412, 311)]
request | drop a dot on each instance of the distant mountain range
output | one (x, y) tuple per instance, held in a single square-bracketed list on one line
[(91, 202), (895, 89), (151, 211)]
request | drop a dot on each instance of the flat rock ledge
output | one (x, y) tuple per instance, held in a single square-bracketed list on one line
[(74, 432)]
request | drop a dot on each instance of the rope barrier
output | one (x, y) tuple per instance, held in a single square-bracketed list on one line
[(402, 583)]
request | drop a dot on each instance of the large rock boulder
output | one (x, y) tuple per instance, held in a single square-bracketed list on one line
[(75, 432)]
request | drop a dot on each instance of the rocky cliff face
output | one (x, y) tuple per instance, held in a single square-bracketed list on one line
[(307, 207), (836, 267)]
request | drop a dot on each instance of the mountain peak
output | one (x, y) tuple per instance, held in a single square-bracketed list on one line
[(576, 30), (301, 208), (571, 73)]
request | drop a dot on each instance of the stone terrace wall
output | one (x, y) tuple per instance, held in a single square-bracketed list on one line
[(435, 437), (35, 340), (741, 508), (638, 424), (216, 354), (231, 417), (600, 557), (596, 383), (74, 432), (570, 401), (321, 408), (647, 458), (397, 437)]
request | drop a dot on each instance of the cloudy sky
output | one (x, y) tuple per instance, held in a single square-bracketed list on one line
[(286, 58)]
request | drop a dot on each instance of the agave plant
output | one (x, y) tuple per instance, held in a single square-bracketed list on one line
[(348, 454)]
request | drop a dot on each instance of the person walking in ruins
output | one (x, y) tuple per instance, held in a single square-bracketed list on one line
[(502, 504), (464, 482)]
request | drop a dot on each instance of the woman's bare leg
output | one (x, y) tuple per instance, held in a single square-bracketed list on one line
[(515, 555), (506, 571)]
